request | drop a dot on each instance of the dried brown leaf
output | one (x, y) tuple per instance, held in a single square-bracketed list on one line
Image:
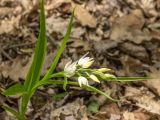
[(154, 83), (15, 70), (144, 99), (135, 116), (75, 110), (9, 26), (127, 25), (5, 11), (84, 17), (136, 51)]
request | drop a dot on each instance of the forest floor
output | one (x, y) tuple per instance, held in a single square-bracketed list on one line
[(123, 35)]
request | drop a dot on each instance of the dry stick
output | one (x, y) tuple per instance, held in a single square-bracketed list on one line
[(51, 39), (2, 50), (19, 45), (6, 55)]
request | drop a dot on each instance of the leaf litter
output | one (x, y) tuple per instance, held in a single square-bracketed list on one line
[(121, 35)]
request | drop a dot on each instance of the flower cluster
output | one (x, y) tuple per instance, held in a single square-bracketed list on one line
[(81, 68)]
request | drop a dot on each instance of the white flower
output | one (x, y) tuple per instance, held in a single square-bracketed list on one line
[(82, 80), (85, 62), (70, 68), (93, 77)]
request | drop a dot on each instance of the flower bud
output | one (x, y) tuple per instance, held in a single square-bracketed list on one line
[(110, 76), (94, 78), (103, 69)]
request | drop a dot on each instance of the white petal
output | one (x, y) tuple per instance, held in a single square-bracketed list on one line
[(84, 55), (87, 64), (83, 59), (70, 68), (82, 80), (67, 65)]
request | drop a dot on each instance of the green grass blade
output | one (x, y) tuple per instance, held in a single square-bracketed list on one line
[(100, 92), (38, 60), (125, 79), (16, 89), (61, 48), (13, 112), (28, 78)]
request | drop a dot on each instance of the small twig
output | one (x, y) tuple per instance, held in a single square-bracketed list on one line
[(6, 55), (2, 50), (51, 39), (19, 45)]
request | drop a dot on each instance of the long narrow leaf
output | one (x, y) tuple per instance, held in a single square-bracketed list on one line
[(61, 48), (131, 78), (100, 92), (12, 111), (36, 67), (33, 75)]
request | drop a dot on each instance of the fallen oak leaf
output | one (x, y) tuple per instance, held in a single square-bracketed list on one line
[(154, 83), (143, 99), (85, 18)]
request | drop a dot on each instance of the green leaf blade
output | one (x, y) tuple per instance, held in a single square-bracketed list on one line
[(100, 92), (16, 89), (125, 79), (38, 60), (12, 111)]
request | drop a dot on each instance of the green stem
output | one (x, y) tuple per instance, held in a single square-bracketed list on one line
[(23, 104), (59, 74), (127, 79), (58, 82)]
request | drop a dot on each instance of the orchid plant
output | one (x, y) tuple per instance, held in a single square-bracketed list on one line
[(80, 69)]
